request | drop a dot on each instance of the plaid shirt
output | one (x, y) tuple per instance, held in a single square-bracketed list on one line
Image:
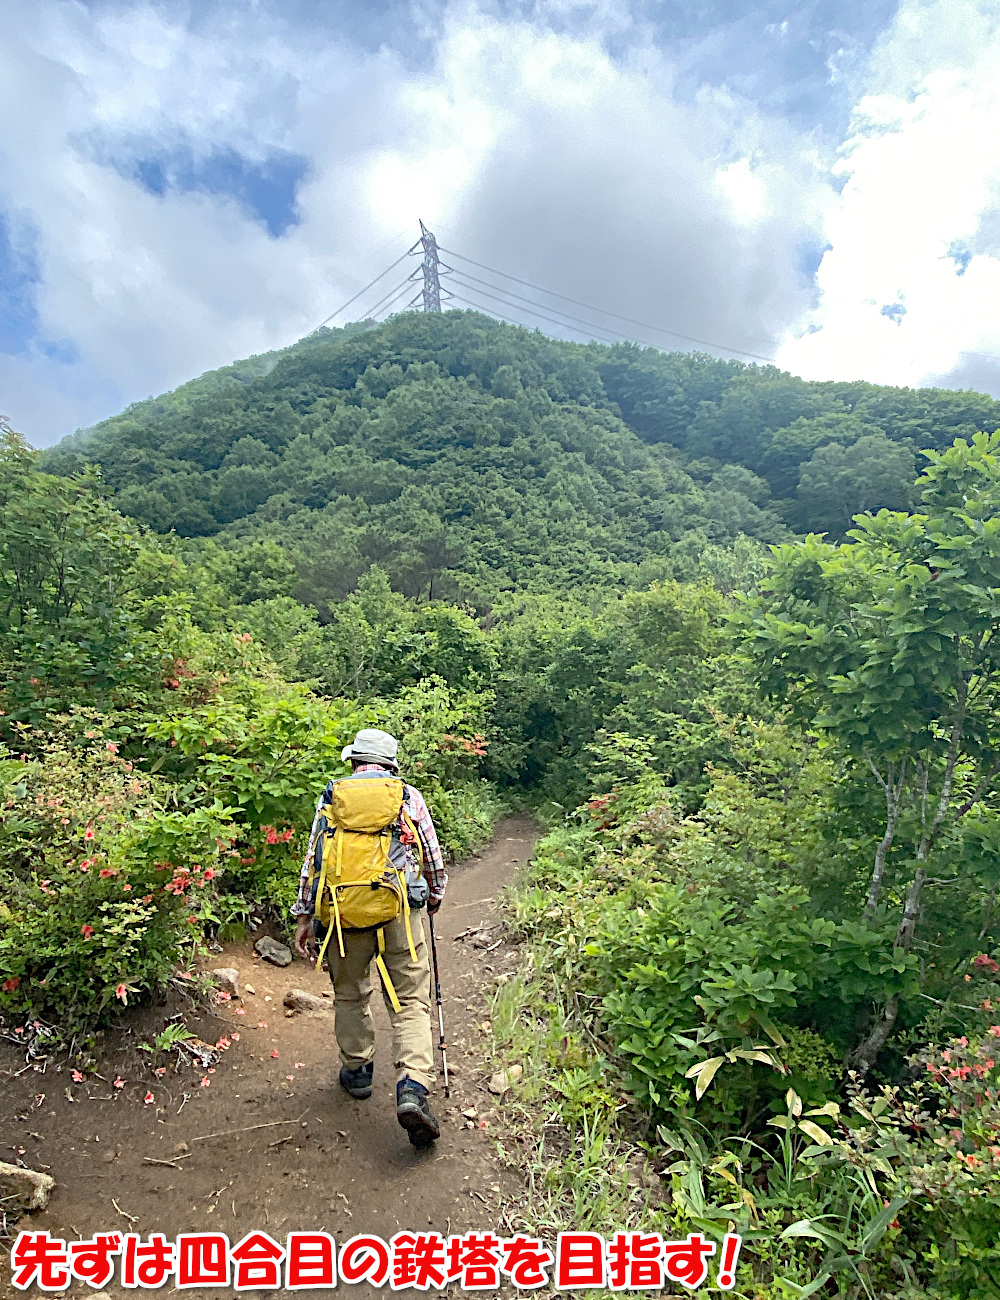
[(418, 813)]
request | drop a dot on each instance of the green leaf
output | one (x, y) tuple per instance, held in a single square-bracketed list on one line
[(878, 1225), (801, 1292), (809, 1228), (705, 1072), (815, 1132)]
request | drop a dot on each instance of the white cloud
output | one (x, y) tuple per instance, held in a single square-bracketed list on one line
[(921, 168), (535, 151)]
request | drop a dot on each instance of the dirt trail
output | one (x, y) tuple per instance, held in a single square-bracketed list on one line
[(336, 1164)]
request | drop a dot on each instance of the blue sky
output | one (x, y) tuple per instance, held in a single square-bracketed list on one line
[(184, 184)]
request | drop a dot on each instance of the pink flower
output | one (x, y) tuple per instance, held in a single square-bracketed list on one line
[(160, 1071), (274, 1055), (121, 993), (77, 1076), (206, 1082), (289, 1077), (223, 1043), (236, 1038), (261, 1024), (86, 931), (88, 834), (240, 1012), (111, 747), (119, 1082), (300, 1065), (148, 1099), (127, 889)]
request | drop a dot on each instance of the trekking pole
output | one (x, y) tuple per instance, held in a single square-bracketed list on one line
[(443, 1046)]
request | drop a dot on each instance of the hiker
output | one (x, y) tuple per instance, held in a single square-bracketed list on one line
[(373, 861)]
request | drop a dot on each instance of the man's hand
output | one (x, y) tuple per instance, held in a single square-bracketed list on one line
[(433, 904), (305, 944)]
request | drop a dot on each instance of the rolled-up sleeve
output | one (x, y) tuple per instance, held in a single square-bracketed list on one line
[(419, 813), (303, 905)]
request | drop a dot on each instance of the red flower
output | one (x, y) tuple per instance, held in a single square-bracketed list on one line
[(148, 1099), (274, 1055), (86, 931), (11, 985), (121, 993), (88, 834)]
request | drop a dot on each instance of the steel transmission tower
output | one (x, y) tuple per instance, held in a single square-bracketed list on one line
[(431, 270)]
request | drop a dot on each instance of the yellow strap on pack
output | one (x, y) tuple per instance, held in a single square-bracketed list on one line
[(406, 913), (319, 896), (384, 973)]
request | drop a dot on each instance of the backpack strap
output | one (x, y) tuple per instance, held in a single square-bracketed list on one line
[(383, 971)]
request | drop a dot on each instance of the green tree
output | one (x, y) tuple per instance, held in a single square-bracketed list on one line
[(888, 645), (840, 482), (74, 581)]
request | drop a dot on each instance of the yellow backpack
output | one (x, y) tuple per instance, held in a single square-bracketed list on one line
[(357, 885)]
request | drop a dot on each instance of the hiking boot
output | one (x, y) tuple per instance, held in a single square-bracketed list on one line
[(358, 1083), (414, 1113)]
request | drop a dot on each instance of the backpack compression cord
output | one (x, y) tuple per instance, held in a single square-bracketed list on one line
[(364, 890)]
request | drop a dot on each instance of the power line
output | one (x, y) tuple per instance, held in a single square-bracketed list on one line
[(393, 293), (490, 311), (368, 286), (402, 294), (606, 333), (657, 329), (606, 336)]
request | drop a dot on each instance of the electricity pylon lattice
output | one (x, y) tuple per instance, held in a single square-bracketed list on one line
[(431, 269)]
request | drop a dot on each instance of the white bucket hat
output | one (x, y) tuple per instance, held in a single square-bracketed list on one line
[(372, 746)]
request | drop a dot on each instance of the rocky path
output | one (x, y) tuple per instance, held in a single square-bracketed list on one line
[(270, 1141)]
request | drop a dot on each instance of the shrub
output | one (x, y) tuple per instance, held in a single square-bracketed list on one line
[(111, 921)]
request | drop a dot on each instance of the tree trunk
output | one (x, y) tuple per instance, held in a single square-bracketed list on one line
[(892, 793), (866, 1053)]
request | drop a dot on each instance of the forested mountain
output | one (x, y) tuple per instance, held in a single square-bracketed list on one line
[(466, 457), (762, 940)]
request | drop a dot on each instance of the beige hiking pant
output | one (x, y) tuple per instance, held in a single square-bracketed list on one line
[(354, 977)]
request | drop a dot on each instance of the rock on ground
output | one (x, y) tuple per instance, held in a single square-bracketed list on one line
[(278, 954), (300, 1000), (228, 979), (27, 1184)]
